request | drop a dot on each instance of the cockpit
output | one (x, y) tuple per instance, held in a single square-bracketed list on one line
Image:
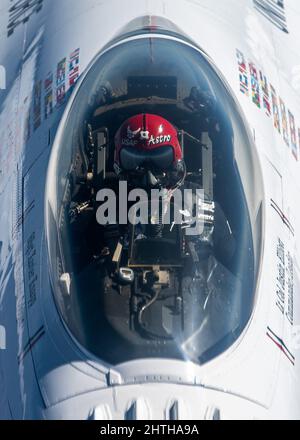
[(131, 290)]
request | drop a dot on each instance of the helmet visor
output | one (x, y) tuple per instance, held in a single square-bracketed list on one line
[(160, 159)]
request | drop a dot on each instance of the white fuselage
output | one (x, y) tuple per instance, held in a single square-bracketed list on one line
[(44, 372)]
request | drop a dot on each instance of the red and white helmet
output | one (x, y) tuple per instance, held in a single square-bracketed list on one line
[(147, 140)]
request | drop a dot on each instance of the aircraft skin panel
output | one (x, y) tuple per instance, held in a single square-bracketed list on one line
[(53, 352), (43, 367), (193, 402)]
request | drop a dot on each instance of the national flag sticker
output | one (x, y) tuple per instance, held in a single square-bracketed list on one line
[(255, 85), (266, 94), (243, 73), (293, 135), (275, 109), (74, 67), (48, 102), (285, 130), (61, 82)]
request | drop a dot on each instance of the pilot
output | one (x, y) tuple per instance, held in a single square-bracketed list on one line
[(148, 155), (147, 150)]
